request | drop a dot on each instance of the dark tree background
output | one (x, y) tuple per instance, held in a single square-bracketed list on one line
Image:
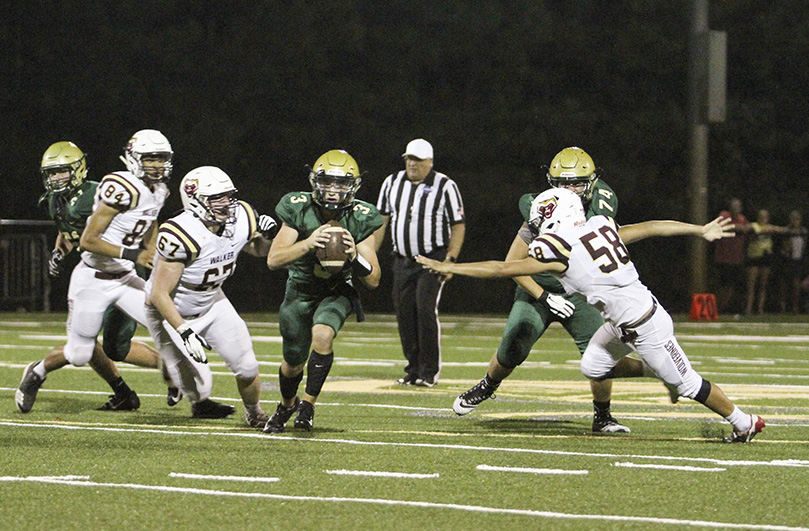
[(262, 88)]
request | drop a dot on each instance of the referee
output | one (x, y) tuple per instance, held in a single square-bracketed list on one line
[(425, 212)]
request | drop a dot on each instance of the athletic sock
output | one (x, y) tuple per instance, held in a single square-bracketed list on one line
[(491, 382), (39, 369), (253, 409), (602, 409), (119, 387), (740, 420)]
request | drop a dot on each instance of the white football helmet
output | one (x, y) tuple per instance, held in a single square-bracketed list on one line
[(209, 193), (556, 209), (148, 143)]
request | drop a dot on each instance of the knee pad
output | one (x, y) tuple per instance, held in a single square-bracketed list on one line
[(247, 369), (595, 371), (80, 354)]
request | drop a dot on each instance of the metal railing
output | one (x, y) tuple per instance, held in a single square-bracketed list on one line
[(24, 254)]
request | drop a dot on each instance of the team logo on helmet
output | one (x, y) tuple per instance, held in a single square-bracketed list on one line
[(556, 208), (190, 187), (546, 209)]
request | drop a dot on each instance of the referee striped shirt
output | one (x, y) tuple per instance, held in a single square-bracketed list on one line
[(420, 215)]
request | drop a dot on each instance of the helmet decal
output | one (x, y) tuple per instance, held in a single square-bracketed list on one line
[(190, 187), (556, 209)]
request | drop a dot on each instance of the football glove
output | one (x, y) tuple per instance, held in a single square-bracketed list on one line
[(558, 305), (267, 226), (56, 262), (194, 343)]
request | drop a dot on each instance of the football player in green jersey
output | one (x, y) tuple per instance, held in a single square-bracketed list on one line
[(68, 200), (317, 303), (574, 169)]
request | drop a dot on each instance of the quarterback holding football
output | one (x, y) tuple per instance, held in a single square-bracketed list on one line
[(319, 300)]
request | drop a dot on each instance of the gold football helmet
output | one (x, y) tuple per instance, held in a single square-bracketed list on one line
[(335, 178), (573, 168), (63, 167)]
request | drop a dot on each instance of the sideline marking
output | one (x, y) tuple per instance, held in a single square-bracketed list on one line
[(222, 478), (408, 503), (670, 467), (532, 470), (380, 474)]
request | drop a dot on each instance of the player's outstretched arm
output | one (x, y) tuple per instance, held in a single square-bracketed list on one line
[(491, 268), (714, 230)]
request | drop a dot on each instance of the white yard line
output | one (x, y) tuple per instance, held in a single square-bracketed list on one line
[(533, 470), (406, 503), (379, 474), (671, 467), (223, 478)]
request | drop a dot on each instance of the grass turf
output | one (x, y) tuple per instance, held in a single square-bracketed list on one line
[(526, 458)]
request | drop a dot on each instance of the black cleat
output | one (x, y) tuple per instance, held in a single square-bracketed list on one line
[(408, 379), (469, 400), (425, 382), (127, 402), (173, 396), (607, 424), (305, 419), (208, 409), (279, 419), (29, 387)]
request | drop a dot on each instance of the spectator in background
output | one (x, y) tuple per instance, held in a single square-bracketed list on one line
[(760, 259), (729, 259), (425, 212), (790, 264)]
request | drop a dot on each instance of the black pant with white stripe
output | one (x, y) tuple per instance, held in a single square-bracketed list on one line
[(416, 293)]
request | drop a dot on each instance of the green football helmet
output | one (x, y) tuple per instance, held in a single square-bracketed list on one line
[(573, 168), (63, 167), (335, 178)]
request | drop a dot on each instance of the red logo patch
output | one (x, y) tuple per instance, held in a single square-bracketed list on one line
[(546, 210), (190, 187)]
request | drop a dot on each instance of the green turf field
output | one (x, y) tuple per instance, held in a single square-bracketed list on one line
[(387, 457)]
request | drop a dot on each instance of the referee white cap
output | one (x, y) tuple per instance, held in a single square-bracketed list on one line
[(419, 148)]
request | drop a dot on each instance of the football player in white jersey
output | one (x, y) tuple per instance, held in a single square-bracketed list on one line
[(119, 233), (197, 252), (590, 258)]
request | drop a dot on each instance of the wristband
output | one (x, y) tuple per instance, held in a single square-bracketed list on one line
[(130, 254), (361, 266), (182, 329)]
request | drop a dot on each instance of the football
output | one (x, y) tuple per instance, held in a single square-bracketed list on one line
[(333, 256)]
